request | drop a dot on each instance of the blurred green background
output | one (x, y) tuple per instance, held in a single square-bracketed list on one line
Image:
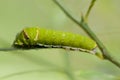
[(51, 64)]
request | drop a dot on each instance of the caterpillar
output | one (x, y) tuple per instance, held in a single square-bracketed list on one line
[(34, 37)]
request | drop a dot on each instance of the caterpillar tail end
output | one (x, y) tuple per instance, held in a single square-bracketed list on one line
[(100, 55)]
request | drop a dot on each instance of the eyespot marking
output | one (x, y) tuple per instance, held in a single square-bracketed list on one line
[(25, 35)]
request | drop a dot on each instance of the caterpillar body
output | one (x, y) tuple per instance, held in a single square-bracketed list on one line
[(34, 37)]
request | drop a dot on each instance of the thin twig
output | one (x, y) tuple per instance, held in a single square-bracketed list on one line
[(67, 66), (8, 49), (89, 9), (86, 28), (27, 72)]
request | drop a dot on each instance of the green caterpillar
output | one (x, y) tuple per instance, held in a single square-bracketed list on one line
[(33, 37)]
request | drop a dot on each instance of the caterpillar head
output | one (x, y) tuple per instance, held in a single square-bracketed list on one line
[(27, 37)]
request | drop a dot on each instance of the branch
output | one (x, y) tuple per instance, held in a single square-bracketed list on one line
[(86, 28)]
